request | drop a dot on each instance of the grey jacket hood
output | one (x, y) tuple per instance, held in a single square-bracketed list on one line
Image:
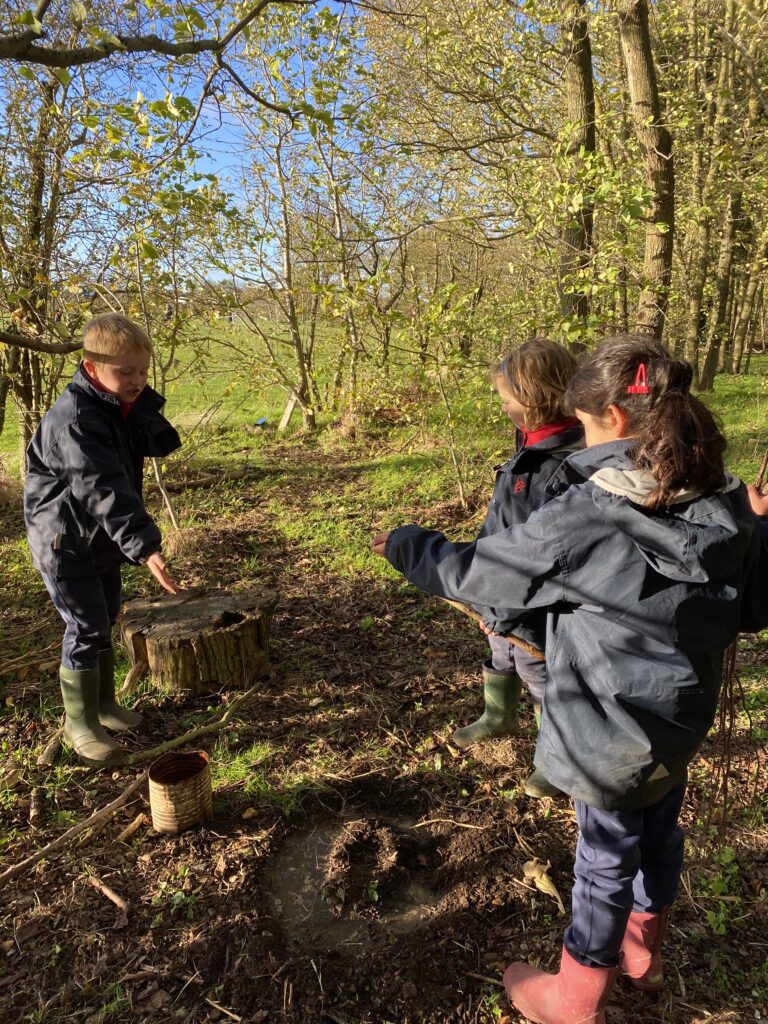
[(693, 540)]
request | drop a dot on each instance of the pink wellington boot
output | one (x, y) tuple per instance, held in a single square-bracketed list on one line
[(576, 995), (642, 950)]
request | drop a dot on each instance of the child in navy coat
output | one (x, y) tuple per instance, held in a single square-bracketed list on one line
[(531, 383), (85, 516), (645, 562)]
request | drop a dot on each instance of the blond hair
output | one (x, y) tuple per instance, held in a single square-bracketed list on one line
[(113, 334), (537, 373)]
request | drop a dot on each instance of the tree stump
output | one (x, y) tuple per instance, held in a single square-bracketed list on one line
[(199, 640)]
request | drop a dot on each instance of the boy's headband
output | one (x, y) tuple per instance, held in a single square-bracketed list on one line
[(640, 387), (102, 357)]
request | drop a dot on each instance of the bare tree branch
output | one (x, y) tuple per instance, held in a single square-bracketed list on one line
[(37, 344)]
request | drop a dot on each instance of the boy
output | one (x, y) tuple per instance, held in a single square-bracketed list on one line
[(85, 516)]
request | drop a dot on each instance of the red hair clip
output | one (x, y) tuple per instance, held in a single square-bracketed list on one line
[(640, 387)]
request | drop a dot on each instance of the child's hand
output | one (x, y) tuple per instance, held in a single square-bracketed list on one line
[(156, 566), (758, 501), (379, 542)]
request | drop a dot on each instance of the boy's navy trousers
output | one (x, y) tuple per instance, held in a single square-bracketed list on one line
[(89, 609), (625, 861)]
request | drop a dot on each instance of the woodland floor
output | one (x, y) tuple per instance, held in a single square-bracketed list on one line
[(359, 869)]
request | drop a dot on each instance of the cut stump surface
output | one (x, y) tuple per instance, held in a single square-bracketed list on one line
[(200, 640)]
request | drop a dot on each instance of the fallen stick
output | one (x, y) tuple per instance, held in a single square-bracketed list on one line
[(194, 734), (222, 1009), (484, 977), (51, 750), (68, 836), (131, 829), (470, 612), (105, 890), (449, 821)]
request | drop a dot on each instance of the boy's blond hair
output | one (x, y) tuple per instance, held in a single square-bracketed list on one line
[(111, 335), (537, 374)]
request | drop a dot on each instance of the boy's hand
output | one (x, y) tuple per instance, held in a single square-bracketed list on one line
[(156, 566), (758, 501), (379, 542)]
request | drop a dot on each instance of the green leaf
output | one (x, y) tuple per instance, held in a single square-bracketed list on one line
[(28, 18), (24, 72), (78, 12), (149, 251), (62, 75)]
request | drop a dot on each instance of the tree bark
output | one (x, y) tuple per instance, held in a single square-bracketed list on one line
[(656, 148), (199, 640), (576, 235), (723, 284), (704, 185)]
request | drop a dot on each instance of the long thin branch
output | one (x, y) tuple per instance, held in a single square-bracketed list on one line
[(21, 46), (193, 734), (99, 816)]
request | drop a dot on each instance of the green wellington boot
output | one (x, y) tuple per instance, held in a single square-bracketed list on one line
[(111, 715), (82, 730), (537, 785), (501, 691)]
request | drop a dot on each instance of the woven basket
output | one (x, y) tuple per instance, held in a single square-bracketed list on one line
[(180, 791)]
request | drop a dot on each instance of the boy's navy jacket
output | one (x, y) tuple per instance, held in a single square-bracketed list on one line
[(521, 488), (641, 606), (83, 507), (521, 482)]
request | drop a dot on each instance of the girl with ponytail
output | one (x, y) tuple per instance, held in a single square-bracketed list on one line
[(644, 560)]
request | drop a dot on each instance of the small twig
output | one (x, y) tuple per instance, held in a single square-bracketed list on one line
[(448, 821), (485, 978), (222, 1009), (110, 893), (761, 474), (51, 750), (194, 734), (13, 664), (163, 490), (68, 836), (135, 674), (132, 828), (35, 805)]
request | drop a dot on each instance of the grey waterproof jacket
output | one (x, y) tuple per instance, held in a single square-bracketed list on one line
[(83, 505), (641, 606)]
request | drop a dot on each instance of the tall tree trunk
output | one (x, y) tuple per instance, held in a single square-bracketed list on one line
[(302, 390), (576, 235), (704, 185), (723, 284), (747, 306), (656, 148)]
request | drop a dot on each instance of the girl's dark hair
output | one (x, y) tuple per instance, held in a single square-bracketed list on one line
[(537, 374), (677, 438)]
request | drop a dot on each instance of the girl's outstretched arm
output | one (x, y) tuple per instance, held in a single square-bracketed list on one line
[(518, 569)]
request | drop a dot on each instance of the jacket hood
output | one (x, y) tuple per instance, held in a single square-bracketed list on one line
[(696, 538)]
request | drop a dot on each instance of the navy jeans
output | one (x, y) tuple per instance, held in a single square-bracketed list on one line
[(89, 609), (506, 657), (625, 861)]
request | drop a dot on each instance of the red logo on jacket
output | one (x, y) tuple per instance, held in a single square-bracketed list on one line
[(519, 485)]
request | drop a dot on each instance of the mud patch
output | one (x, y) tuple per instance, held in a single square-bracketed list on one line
[(350, 883)]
